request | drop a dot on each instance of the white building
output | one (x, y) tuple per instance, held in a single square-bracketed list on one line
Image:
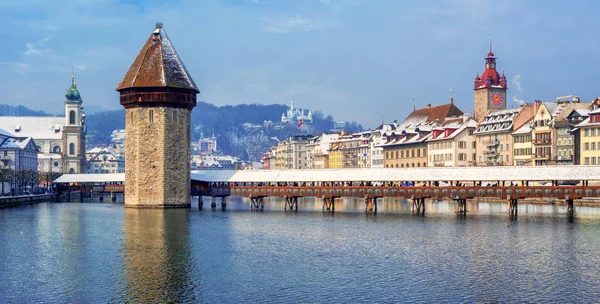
[(104, 160), (294, 115), (452, 144), (60, 140), (375, 141)]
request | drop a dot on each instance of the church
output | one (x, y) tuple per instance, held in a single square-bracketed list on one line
[(60, 140)]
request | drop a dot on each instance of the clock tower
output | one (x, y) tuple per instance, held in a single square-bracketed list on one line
[(490, 88)]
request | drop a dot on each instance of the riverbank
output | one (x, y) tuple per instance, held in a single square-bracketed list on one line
[(537, 201), (11, 201)]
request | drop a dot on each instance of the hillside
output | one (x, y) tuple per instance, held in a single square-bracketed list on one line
[(227, 124)]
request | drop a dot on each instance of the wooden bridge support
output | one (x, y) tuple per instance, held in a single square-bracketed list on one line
[(291, 202), (257, 202), (329, 204), (213, 203), (570, 208), (461, 205), (513, 205), (371, 205), (418, 205), (200, 203)]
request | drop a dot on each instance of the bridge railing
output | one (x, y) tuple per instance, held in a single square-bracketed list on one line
[(452, 192)]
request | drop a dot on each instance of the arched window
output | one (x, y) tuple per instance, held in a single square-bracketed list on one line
[(72, 117), (71, 171), (72, 149), (56, 149)]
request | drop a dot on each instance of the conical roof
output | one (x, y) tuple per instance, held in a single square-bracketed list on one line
[(158, 65)]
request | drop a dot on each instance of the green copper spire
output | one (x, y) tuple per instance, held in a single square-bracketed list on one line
[(72, 94)]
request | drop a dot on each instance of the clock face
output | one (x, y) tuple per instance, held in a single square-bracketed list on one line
[(496, 98)]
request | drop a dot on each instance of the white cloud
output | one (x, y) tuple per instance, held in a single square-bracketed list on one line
[(31, 50), (17, 67), (298, 24), (517, 82)]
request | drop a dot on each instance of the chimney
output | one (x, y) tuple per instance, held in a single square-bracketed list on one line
[(395, 124), (429, 105)]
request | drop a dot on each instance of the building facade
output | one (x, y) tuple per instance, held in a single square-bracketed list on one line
[(158, 94), (589, 131), (104, 160), (452, 144), (522, 145)]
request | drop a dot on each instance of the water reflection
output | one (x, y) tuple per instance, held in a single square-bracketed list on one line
[(157, 260)]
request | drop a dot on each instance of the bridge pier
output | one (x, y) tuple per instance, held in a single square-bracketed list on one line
[(291, 202), (371, 205), (257, 202), (513, 205), (418, 204), (329, 204), (213, 203), (223, 202), (200, 203), (570, 208), (461, 205)]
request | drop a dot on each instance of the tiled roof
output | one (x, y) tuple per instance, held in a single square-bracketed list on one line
[(432, 114), (158, 65), (498, 121), (525, 128)]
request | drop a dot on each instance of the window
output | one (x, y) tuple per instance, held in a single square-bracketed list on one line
[(474, 144), (587, 146), (72, 149), (593, 146), (462, 144), (56, 149), (151, 116), (474, 157), (462, 156), (72, 117), (586, 133), (471, 132), (71, 171), (593, 160)]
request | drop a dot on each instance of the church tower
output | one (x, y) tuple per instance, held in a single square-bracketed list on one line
[(73, 131), (490, 88), (158, 94)]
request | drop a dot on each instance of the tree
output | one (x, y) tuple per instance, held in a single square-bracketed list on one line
[(7, 175)]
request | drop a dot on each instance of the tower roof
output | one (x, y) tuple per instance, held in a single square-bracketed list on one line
[(72, 93), (490, 78), (158, 65)]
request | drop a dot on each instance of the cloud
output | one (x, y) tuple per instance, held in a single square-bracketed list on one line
[(20, 68), (517, 82), (35, 48), (31, 50), (298, 24)]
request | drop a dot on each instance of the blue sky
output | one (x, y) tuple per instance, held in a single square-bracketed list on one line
[(355, 59)]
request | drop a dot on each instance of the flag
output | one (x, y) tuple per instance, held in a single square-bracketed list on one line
[(300, 123)]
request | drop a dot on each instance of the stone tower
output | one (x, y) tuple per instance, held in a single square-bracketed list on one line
[(490, 88), (73, 135), (158, 94)]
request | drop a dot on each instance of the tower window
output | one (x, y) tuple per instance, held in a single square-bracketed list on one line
[(72, 149), (72, 117), (151, 116), (56, 149)]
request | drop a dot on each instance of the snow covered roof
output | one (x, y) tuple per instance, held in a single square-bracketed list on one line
[(16, 143), (507, 173), (498, 121), (91, 178), (524, 129), (38, 127)]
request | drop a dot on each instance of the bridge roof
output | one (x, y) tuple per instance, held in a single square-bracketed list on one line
[(405, 174), (90, 178)]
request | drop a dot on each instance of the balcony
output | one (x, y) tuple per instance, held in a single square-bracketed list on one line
[(542, 141), (490, 152), (541, 156), (491, 142)]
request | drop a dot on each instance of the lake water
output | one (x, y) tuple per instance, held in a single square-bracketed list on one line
[(103, 253)]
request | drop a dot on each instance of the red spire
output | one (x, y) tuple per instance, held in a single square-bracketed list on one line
[(490, 77), (477, 78)]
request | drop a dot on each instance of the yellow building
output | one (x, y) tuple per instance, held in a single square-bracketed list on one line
[(335, 158), (589, 131)]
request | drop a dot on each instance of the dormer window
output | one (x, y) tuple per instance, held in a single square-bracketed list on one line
[(17, 128)]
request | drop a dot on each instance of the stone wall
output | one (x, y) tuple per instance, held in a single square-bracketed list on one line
[(157, 170)]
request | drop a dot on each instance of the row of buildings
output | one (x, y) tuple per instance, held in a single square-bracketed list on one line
[(535, 134), (565, 131)]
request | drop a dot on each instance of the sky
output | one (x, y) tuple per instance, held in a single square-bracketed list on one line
[(358, 60)]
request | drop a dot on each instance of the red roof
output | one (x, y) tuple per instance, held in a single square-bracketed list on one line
[(490, 76), (158, 65), (438, 113)]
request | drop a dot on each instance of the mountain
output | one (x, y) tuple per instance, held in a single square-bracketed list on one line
[(239, 129), (8, 110)]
